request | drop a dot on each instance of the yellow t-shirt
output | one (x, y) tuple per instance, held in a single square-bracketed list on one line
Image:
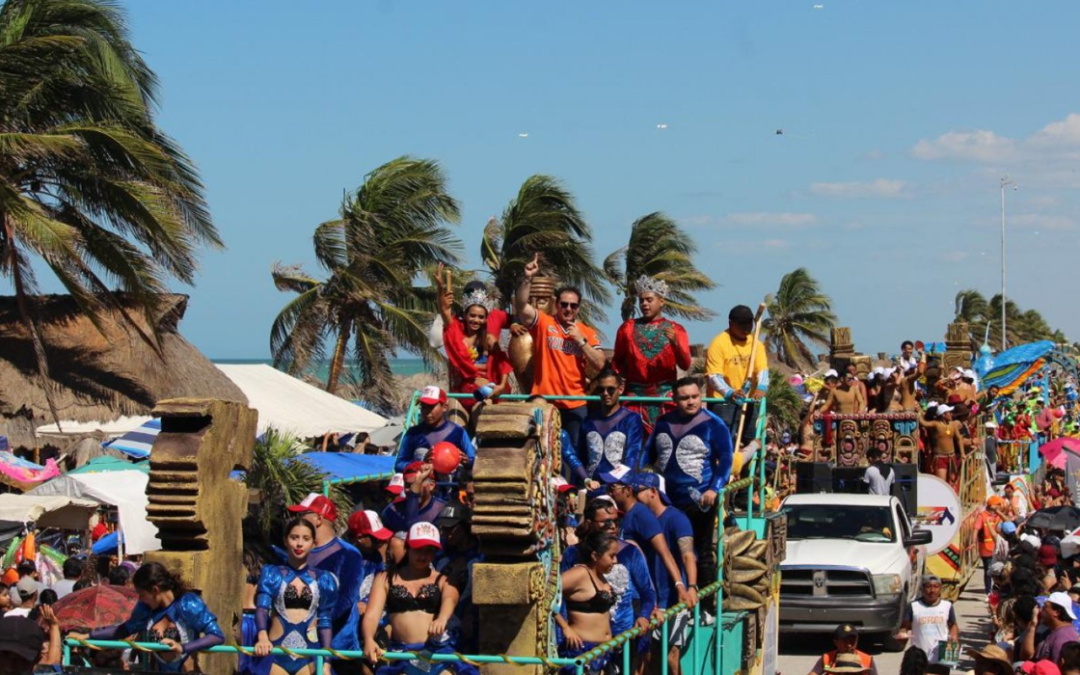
[(731, 360)]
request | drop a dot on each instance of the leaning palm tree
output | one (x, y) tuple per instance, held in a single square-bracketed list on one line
[(88, 184), (659, 248), (798, 313), (388, 231), (543, 218)]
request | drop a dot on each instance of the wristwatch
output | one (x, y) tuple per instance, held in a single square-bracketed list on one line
[(694, 586)]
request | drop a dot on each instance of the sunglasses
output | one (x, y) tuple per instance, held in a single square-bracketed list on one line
[(568, 305), (609, 390), (612, 522)]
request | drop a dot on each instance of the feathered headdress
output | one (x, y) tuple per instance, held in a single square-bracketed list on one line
[(646, 284)]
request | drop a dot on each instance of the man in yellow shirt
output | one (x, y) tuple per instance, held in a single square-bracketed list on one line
[(726, 364)]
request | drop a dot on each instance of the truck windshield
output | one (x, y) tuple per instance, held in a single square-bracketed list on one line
[(837, 521)]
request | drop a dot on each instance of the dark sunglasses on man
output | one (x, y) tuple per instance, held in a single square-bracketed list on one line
[(568, 305)]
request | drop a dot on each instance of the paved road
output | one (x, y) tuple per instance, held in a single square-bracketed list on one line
[(799, 653)]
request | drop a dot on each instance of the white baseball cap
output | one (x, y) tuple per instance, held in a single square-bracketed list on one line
[(942, 409), (1062, 600), (396, 485), (423, 534), (431, 395), (831, 372)]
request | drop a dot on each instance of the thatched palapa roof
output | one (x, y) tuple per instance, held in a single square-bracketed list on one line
[(97, 375)]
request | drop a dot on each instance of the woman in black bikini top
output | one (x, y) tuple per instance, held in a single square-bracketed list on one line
[(587, 594), (418, 602)]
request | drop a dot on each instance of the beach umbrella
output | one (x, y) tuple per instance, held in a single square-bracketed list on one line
[(1064, 518), (95, 607), (1054, 451), (137, 442)]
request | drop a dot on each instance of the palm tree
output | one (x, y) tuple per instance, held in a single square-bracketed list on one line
[(1021, 326), (543, 218), (784, 405), (88, 183), (659, 248), (282, 480), (798, 313), (388, 231)]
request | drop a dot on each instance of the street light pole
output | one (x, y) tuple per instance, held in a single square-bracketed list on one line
[(1005, 182)]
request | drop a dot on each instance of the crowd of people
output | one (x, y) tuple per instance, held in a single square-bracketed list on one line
[(397, 577)]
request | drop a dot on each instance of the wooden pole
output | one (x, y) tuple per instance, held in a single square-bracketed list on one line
[(749, 372)]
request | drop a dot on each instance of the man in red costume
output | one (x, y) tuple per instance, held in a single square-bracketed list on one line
[(649, 350)]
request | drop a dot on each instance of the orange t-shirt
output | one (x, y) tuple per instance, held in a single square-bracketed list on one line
[(558, 361)]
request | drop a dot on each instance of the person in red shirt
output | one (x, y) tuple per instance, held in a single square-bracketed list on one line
[(649, 350), (477, 364)]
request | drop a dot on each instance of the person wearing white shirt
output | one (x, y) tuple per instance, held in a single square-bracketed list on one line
[(930, 619), (879, 475)]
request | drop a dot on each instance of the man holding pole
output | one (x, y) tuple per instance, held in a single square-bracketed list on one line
[(737, 370)]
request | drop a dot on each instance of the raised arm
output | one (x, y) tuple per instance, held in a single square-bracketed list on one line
[(444, 291), (525, 312)]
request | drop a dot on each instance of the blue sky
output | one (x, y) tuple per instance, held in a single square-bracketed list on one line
[(899, 118)]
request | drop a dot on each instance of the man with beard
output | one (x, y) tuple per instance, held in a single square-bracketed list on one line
[(612, 434)]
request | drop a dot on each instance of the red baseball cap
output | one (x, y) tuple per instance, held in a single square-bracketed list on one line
[(396, 485), (423, 534), (316, 503), (412, 468), (432, 395), (368, 523)]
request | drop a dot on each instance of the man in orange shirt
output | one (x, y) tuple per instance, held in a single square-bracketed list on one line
[(562, 349)]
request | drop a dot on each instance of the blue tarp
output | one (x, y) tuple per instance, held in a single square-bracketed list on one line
[(347, 465), (107, 545)]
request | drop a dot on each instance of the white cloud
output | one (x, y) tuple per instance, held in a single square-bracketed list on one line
[(1039, 221), (966, 146), (776, 243), (883, 188), (768, 219), (1056, 141), (955, 256)]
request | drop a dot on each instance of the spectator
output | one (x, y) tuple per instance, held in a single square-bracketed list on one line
[(5, 599), (930, 619), (1057, 615), (1069, 661), (461, 552), (611, 435), (73, 568), (991, 660), (28, 595), (914, 662), (726, 364), (564, 349), (986, 525), (846, 398), (21, 642), (119, 576), (846, 640)]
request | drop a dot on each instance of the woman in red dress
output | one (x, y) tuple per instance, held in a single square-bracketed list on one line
[(476, 361), (649, 351)]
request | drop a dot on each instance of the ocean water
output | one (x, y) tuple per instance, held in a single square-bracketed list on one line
[(402, 367)]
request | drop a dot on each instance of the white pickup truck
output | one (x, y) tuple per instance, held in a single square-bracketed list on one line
[(850, 558)]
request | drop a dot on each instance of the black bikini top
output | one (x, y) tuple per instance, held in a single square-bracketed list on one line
[(599, 603), (400, 600), (294, 599)]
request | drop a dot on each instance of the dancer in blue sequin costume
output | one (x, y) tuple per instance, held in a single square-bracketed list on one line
[(295, 604)]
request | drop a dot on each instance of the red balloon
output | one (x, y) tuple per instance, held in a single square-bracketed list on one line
[(445, 457)]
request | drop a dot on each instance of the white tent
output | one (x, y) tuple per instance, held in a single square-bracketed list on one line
[(47, 511), (116, 427), (126, 490), (294, 406)]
